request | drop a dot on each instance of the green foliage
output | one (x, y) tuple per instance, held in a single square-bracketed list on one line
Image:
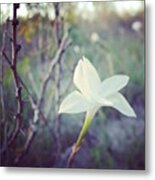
[(22, 68), (96, 155), (7, 77), (23, 65), (101, 157)]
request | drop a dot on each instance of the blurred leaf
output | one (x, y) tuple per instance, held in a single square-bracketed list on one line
[(22, 68), (7, 77), (27, 28), (96, 154), (23, 65)]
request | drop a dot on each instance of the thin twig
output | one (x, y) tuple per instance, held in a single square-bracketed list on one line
[(3, 123), (75, 149), (70, 81), (7, 59), (31, 134), (33, 84), (18, 89), (1, 77), (63, 46), (58, 27)]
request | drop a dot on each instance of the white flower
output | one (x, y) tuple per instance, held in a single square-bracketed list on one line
[(94, 37), (136, 26), (77, 49), (93, 94)]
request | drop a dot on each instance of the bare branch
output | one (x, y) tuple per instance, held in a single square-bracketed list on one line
[(32, 100), (18, 88), (1, 77), (70, 82), (31, 135), (7, 59), (63, 46)]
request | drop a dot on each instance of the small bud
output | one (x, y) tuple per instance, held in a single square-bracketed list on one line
[(15, 22), (18, 47)]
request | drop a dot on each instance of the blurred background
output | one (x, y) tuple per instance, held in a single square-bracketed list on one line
[(111, 35)]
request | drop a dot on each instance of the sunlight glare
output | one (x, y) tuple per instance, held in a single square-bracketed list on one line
[(128, 6)]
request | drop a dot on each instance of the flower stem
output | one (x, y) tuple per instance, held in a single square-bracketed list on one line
[(72, 155), (85, 127), (84, 130)]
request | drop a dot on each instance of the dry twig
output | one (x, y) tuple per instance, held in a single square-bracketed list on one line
[(13, 64)]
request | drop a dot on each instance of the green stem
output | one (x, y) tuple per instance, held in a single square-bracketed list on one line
[(88, 119), (84, 130)]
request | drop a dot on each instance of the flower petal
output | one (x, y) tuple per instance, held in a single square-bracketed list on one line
[(120, 103), (86, 77), (78, 78), (74, 103), (113, 84)]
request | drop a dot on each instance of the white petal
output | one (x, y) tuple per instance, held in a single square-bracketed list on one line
[(91, 73), (78, 78), (120, 103), (86, 77), (113, 84), (74, 103)]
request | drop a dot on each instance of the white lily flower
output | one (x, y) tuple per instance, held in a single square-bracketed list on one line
[(93, 93)]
